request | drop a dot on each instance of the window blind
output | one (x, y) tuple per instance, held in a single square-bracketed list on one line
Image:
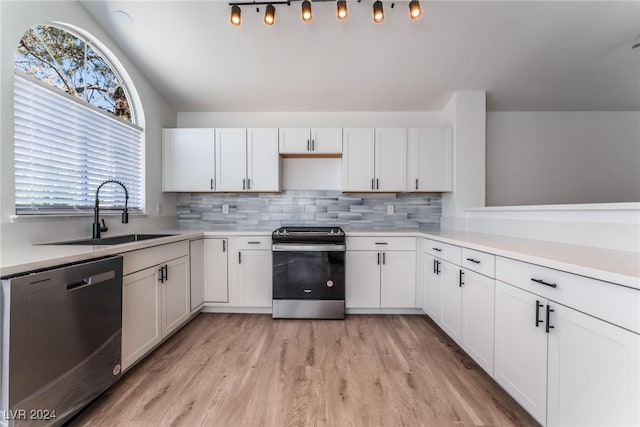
[(65, 148)]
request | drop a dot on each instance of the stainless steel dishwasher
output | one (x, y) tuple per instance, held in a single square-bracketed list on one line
[(61, 340)]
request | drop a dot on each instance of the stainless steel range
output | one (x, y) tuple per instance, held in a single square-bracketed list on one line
[(308, 272)]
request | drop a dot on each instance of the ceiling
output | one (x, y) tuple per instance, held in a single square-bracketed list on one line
[(527, 55)]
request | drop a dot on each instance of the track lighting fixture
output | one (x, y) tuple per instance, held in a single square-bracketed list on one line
[(414, 9), (378, 12), (235, 15), (342, 10), (270, 14), (306, 11)]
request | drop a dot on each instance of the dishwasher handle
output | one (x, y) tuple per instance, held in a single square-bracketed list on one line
[(91, 280)]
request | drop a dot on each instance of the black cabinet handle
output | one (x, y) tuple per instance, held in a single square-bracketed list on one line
[(308, 145), (212, 183), (254, 243), (538, 307), (416, 183), (166, 272), (381, 243), (224, 246), (475, 261), (377, 184), (437, 249), (244, 184), (373, 184), (161, 271), (248, 183), (437, 267), (461, 281), (549, 311), (378, 258), (542, 282), (313, 145), (239, 257), (384, 259), (434, 266)]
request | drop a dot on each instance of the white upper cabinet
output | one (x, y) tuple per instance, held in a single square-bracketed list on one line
[(263, 162), (231, 159), (310, 141), (188, 160), (374, 159), (247, 160), (429, 160), (391, 159)]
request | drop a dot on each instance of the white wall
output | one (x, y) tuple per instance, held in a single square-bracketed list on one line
[(562, 157), (18, 16)]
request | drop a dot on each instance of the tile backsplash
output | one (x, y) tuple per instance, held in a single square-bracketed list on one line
[(202, 211)]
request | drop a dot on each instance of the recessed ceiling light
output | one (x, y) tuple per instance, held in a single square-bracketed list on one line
[(123, 17)]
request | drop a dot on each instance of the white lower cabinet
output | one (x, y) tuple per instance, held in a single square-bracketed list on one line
[(451, 299), (432, 292), (155, 298), (255, 278), (196, 267), (521, 347), (477, 318), (216, 281), (593, 372), (380, 278)]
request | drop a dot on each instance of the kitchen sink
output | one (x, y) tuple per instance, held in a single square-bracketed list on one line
[(113, 240)]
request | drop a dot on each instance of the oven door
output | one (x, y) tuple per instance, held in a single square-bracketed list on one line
[(303, 271)]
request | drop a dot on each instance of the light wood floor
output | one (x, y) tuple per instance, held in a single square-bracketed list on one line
[(251, 370)]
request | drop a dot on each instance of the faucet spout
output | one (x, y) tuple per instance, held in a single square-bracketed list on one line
[(97, 227)]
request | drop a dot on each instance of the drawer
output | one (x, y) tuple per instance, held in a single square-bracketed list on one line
[(144, 258), (253, 242), (441, 250), (613, 303), (381, 243), (480, 262)]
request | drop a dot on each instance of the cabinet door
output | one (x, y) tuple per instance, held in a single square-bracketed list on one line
[(141, 315), (196, 272), (521, 348), (326, 140), (432, 293), (451, 299), (477, 318), (358, 160), (263, 162), (391, 159), (188, 160), (295, 140), (175, 295), (362, 278), (594, 376), (231, 159), (429, 160), (398, 279), (216, 288), (255, 278)]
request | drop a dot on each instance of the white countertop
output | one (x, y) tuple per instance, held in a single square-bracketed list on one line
[(617, 267)]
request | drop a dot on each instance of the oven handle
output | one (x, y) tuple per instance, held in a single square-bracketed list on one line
[(307, 248)]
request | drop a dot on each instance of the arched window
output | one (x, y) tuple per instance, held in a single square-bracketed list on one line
[(74, 126)]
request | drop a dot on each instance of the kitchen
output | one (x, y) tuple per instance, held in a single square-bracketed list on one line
[(542, 109)]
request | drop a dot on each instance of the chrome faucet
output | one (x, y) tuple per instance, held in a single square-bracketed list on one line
[(101, 228)]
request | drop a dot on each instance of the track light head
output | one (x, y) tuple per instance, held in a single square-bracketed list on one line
[(306, 11), (342, 10), (235, 15), (414, 9), (378, 12), (270, 14)]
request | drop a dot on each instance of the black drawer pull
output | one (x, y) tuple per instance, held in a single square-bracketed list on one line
[(475, 261), (381, 243), (253, 243), (461, 281), (437, 249), (542, 282)]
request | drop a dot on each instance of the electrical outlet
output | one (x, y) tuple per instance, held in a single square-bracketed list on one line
[(225, 208), (390, 210)]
